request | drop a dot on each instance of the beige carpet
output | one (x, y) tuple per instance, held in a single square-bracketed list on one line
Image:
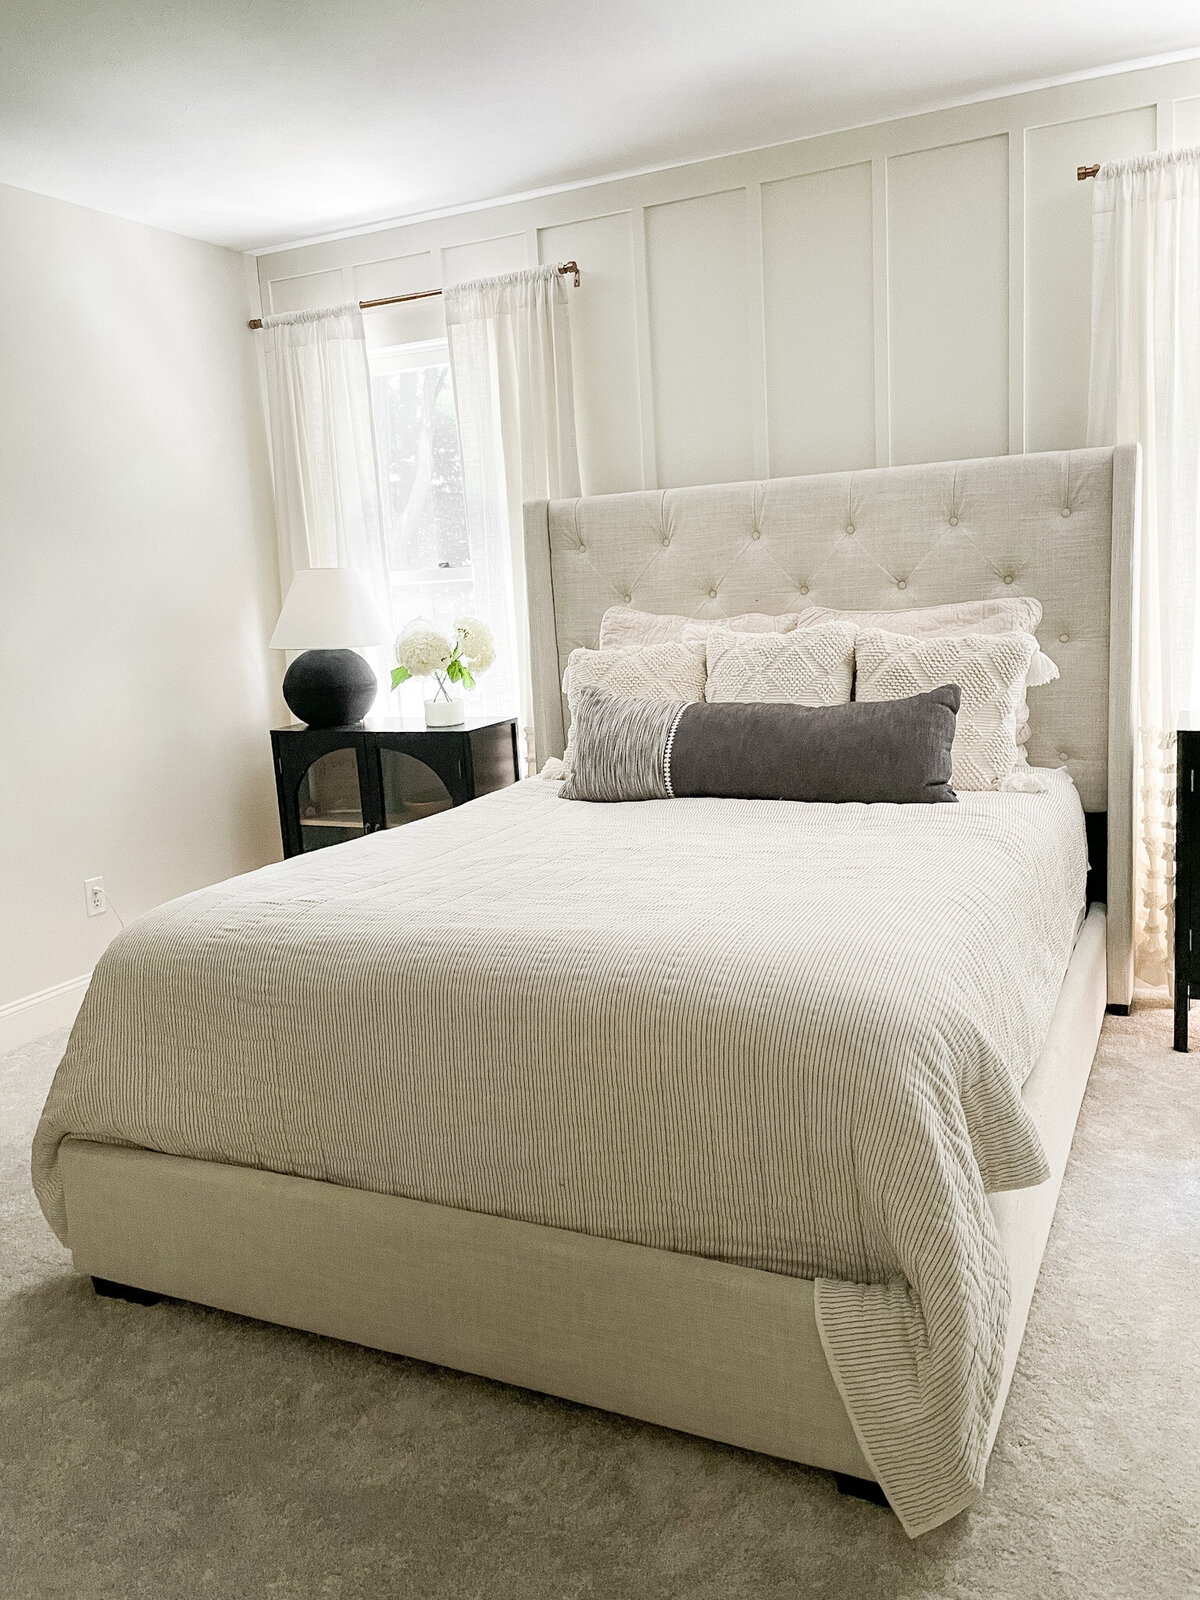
[(174, 1451)]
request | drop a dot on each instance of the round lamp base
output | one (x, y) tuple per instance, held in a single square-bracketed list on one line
[(329, 688)]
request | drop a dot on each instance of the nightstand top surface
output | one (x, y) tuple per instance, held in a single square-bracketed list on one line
[(403, 725)]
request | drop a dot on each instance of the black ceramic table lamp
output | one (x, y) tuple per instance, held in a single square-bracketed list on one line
[(327, 610)]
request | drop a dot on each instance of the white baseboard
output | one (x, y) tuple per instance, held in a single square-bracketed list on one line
[(23, 1021)]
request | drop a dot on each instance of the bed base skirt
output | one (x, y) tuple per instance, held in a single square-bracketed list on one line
[(726, 1352)]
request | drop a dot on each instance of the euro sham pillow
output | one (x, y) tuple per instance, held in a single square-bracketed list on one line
[(895, 752), (669, 671), (809, 667), (622, 628), (990, 669), (1015, 614)]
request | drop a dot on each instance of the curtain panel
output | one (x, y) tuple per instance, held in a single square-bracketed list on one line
[(327, 500), (510, 359), (1145, 386)]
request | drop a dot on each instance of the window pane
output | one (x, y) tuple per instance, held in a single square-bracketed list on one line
[(425, 519)]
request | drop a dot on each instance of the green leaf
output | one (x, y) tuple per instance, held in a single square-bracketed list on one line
[(468, 682), (400, 675), (455, 670)]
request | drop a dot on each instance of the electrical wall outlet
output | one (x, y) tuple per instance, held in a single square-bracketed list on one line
[(94, 897)]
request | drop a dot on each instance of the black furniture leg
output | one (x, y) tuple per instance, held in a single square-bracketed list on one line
[(860, 1488), (1182, 1003), (125, 1291)]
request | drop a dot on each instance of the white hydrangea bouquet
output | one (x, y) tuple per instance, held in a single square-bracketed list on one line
[(424, 651)]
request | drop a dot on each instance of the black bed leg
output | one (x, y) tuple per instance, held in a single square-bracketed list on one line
[(1182, 1002), (860, 1488), (125, 1291)]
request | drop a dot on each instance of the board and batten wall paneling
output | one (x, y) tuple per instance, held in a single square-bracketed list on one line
[(307, 291), (819, 320), (1058, 256), (697, 283), (1187, 121), (947, 265), (739, 336), (485, 258), (603, 348)]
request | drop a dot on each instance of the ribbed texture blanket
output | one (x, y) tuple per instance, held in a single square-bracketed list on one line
[(786, 1035)]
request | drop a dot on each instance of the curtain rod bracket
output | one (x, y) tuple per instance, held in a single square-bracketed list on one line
[(1087, 172), (565, 268)]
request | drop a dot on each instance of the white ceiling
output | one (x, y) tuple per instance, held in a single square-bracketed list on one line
[(256, 122)]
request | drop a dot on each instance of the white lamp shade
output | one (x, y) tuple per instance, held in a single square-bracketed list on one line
[(328, 608)]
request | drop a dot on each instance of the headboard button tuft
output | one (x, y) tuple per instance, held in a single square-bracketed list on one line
[(1066, 511), (900, 583), (954, 522)]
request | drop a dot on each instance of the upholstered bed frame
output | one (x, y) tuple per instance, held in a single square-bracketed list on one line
[(728, 1352), (1060, 527)]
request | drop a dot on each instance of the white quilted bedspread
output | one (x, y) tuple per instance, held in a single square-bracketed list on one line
[(786, 1035)]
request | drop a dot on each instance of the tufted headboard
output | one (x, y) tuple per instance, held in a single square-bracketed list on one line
[(1060, 527)]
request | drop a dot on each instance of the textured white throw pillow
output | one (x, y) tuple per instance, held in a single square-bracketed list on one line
[(810, 667), (1015, 614), (990, 669), (622, 628), (655, 672)]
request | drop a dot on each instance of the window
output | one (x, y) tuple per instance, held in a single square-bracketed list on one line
[(420, 466)]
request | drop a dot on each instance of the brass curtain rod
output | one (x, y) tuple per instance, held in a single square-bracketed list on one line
[(564, 267), (1087, 172)]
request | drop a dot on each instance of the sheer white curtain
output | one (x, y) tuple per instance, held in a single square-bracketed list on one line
[(1145, 385), (510, 356), (327, 499)]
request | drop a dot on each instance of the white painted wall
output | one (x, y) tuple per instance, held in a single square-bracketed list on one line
[(137, 587), (915, 290)]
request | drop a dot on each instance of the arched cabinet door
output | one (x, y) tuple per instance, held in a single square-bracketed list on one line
[(412, 789), (323, 784), (329, 800)]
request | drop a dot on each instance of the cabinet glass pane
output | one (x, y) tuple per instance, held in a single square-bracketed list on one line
[(330, 805), (410, 789)]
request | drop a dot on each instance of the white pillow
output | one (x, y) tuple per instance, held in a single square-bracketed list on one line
[(1014, 614), (810, 667), (654, 672), (990, 669), (622, 628)]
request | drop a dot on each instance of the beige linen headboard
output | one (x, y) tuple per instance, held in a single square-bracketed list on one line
[(1061, 527)]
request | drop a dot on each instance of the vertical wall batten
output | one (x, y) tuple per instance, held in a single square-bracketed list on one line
[(1016, 290), (879, 280), (757, 330), (641, 288)]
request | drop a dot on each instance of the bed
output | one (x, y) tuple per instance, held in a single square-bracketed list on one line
[(550, 1092)]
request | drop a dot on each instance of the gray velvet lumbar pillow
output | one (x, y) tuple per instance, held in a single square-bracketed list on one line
[(887, 751)]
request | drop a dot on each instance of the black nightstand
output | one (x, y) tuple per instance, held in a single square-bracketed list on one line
[(335, 784), (1187, 878)]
